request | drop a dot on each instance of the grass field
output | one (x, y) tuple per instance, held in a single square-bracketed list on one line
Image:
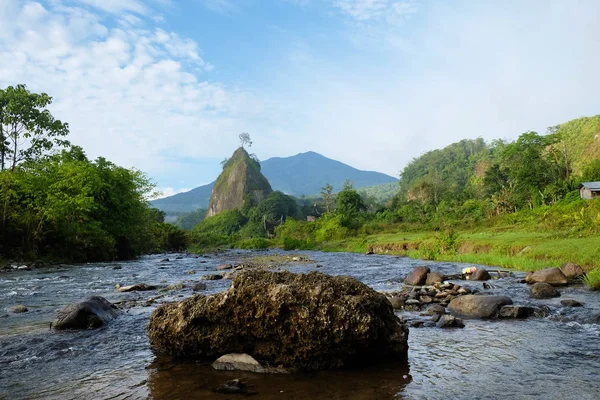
[(520, 250)]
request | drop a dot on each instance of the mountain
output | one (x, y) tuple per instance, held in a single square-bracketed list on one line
[(306, 173), (241, 177), (302, 174)]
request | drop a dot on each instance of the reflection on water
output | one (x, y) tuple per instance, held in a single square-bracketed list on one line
[(552, 358), (196, 381)]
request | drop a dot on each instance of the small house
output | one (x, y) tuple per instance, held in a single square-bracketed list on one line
[(589, 190)]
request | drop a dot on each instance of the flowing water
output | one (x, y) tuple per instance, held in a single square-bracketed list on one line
[(556, 357)]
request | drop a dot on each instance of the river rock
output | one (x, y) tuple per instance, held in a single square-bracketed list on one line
[(449, 321), (397, 302), (481, 275), (306, 321), (234, 387), (435, 309), (199, 286), (244, 362), (435, 277), (418, 276), (516, 312), (572, 270), (552, 276), (543, 290), (90, 313), (571, 303), (138, 287), (19, 308), (223, 267), (214, 277), (478, 306)]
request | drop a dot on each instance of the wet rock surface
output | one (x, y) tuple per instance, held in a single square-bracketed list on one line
[(90, 313), (552, 276), (244, 362), (542, 290), (417, 276), (306, 321), (478, 306)]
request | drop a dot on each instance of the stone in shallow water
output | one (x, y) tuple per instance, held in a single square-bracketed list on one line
[(138, 287), (552, 276), (517, 312), (90, 313), (543, 290), (418, 276), (478, 306), (571, 303), (19, 308), (306, 321), (244, 362), (234, 387)]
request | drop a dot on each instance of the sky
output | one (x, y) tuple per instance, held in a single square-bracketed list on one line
[(166, 86)]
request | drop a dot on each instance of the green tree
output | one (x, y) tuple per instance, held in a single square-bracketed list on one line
[(328, 197), (27, 129)]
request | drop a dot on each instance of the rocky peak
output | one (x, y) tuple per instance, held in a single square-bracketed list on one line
[(241, 177)]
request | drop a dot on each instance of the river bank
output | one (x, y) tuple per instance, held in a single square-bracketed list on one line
[(486, 359), (518, 250)]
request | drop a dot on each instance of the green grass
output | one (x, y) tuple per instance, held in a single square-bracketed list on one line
[(520, 250), (592, 279)]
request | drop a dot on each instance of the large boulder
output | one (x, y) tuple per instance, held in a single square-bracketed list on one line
[(478, 306), (90, 313), (553, 276), (572, 270), (307, 321), (543, 290), (417, 276)]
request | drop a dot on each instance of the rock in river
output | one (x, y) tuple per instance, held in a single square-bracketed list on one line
[(244, 362), (478, 306), (552, 276), (543, 290), (572, 270), (417, 276), (138, 287), (306, 321), (19, 308), (481, 275), (90, 313)]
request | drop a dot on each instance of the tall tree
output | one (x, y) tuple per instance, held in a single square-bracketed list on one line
[(245, 139), (327, 194), (27, 129)]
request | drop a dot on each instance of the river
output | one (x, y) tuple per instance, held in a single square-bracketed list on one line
[(556, 357)]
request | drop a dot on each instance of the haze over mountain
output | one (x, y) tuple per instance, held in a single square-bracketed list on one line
[(302, 174)]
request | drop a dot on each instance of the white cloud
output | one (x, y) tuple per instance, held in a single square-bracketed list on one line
[(134, 96), (168, 191)]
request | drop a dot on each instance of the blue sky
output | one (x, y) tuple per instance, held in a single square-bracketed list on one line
[(166, 86)]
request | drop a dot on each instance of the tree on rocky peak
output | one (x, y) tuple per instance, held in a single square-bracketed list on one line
[(245, 139)]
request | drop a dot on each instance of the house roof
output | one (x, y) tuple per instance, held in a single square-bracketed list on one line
[(591, 185)]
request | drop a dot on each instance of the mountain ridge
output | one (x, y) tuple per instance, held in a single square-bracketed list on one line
[(301, 174)]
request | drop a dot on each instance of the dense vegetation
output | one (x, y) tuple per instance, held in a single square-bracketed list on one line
[(57, 204)]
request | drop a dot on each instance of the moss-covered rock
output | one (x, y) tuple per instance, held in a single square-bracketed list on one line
[(240, 180), (305, 321)]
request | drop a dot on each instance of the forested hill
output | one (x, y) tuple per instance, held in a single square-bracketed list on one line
[(302, 174), (534, 169)]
